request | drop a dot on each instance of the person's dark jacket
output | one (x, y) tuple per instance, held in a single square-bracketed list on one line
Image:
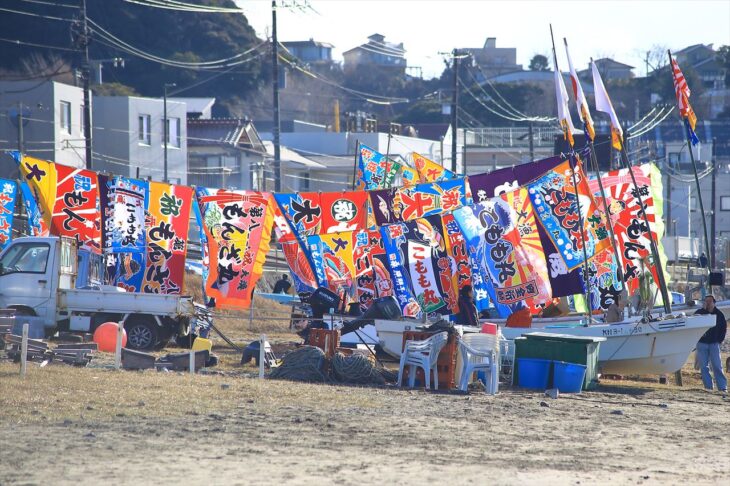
[(467, 312), (282, 286), (714, 334)]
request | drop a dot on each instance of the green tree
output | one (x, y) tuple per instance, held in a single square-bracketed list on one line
[(539, 63)]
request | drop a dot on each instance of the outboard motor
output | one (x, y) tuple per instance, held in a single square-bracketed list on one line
[(381, 308)]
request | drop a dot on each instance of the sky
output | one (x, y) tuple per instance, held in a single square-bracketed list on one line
[(621, 29)]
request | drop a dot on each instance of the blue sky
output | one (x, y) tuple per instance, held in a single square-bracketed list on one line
[(621, 29)]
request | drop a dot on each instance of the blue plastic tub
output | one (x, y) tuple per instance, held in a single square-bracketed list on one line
[(568, 377), (534, 373)]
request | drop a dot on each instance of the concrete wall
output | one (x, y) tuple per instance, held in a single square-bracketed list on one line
[(42, 133), (121, 137)]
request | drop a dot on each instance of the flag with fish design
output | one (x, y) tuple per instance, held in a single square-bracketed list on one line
[(519, 201), (561, 211), (429, 266), (36, 225), (372, 278), (629, 226), (167, 222), (238, 231), (40, 177), (430, 171), (123, 201), (335, 261), (303, 276), (8, 194), (419, 201), (394, 238), (375, 170), (456, 248)]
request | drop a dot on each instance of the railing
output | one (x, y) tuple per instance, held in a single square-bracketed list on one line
[(514, 137)]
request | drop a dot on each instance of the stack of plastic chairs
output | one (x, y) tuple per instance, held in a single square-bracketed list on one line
[(479, 353), (423, 354)]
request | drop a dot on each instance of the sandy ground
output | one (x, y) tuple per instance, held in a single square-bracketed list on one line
[(65, 425)]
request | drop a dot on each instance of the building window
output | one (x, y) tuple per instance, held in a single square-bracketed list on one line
[(144, 134), (173, 132), (66, 117), (725, 203)]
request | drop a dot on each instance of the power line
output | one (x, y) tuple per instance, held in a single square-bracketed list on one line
[(31, 14), (184, 6), (53, 4), (32, 44)]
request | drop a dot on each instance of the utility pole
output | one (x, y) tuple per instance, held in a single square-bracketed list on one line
[(21, 142), (454, 108), (84, 41), (165, 124), (275, 83), (712, 205)]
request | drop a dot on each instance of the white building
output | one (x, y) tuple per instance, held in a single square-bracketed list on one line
[(129, 139), (52, 121)]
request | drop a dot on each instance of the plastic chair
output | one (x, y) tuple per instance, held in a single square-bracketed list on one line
[(423, 354), (477, 355)]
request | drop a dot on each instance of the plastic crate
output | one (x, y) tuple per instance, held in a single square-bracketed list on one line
[(324, 337), (446, 363)]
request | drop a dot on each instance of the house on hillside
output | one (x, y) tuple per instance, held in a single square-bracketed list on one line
[(703, 60), (52, 120), (377, 52), (494, 60), (196, 107), (310, 51), (610, 70)]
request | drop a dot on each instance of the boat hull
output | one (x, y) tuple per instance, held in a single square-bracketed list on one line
[(634, 347)]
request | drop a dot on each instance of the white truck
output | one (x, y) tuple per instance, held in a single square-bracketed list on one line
[(38, 278)]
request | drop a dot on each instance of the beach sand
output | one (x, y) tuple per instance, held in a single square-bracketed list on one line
[(65, 425)]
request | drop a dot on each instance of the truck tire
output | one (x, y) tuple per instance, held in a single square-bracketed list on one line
[(142, 333)]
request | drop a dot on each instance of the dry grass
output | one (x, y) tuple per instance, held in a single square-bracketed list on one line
[(58, 393)]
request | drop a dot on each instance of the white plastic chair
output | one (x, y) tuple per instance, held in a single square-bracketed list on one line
[(478, 355), (423, 354)]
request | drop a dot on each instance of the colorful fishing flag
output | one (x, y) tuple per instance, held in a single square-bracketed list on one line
[(430, 171), (409, 176), (303, 276), (333, 258), (456, 249), (372, 277), (629, 226), (603, 103), (394, 239), (376, 171), (493, 240), (419, 201), (36, 225), (580, 98), (343, 211), (69, 197), (123, 201), (167, 222), (682, 92), (303, 212), (561, 206), (8, 193), (238, 231), (561, 95)]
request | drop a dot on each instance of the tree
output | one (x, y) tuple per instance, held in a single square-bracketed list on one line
[(539, 63)]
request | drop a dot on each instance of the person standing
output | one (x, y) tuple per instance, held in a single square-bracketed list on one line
[(467, 310), (708, 348), (703, 260), (282, 285)]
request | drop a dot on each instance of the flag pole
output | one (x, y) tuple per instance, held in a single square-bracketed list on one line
[(354, 167), (573, 165), (597, 170), (654, 249), (710, 257)]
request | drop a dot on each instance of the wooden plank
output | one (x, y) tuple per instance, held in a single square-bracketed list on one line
[(15, 339), (87, 346)]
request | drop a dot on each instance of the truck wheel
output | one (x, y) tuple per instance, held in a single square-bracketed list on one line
[(142, 334)]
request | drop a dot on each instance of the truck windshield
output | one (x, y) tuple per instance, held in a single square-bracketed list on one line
[(25, 257)]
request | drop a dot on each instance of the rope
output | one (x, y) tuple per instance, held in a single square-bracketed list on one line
[(303, 364), (355, 369)]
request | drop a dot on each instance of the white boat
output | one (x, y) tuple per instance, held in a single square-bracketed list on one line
[(631, 347)]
